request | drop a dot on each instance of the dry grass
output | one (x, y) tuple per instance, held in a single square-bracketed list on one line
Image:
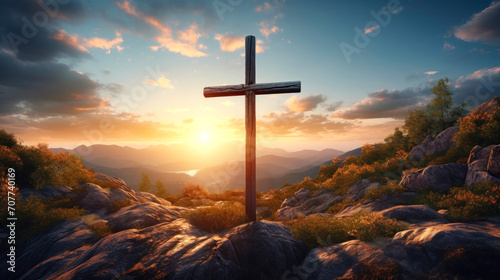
[(217, 218)]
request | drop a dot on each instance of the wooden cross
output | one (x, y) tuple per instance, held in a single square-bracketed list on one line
[(249, 90)]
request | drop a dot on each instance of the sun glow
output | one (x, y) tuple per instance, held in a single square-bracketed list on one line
[(204, 137)]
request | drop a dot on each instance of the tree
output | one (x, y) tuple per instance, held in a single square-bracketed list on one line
[(145, 184), (436, 116), (397, 142), (161, 191), (417, 126)]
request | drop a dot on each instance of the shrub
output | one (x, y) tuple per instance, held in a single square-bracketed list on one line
[(368, 226), (34, 215), (316, 231), (194, 191), (467, 202), (392, 188), (339, 207), (217, 218), (119, 204), (101, 230)]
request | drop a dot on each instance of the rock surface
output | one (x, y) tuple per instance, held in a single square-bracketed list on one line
[(175, 250), (442, 142), (487, 107), (483, 165), (447, 251), (435, 177)]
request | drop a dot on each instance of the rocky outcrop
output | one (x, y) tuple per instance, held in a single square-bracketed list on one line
[(483, 165), (175, 250), (142, 215), (487, 107), (361, 187), (435, 177), (95, 197), (377, 204), (442, 142), (413, 214), (302, 203), (47, 192), (446, 251)]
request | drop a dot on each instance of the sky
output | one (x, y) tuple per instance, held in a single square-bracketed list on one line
[(130, 72)]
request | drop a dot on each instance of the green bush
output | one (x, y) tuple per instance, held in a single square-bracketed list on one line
[(340, 206), (467, 202), (392, 188), (217, 218), (316, 231), (34, 215), (119, 204), (101, 230)]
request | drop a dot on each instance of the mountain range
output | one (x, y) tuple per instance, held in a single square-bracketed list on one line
[(178, 164)]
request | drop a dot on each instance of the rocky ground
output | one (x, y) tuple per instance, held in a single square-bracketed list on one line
[(151, 240)]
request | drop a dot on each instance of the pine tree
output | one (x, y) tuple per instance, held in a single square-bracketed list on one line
[(145, 184), (161, 191)]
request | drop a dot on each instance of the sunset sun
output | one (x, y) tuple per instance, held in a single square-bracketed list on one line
[(204, 137)]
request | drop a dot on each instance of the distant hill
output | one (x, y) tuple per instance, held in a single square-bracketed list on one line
[(296, 176), (216, 172)]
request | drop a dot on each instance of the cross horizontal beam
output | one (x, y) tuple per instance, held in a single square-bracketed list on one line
[(258, 89)]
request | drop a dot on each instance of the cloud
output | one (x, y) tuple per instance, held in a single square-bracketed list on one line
[(482, 27), (309, 103), (188, 121), (371, 29), (386, 104), (30, 42), (95, 42), (448, 47), (184, 42), (269, 27), (161, 82), (264, 7), (46, 89), (334, 106), (91, 128), (478, 87), (474, 89), (430, 73), (299, 123), (230, 43), (105, 44)]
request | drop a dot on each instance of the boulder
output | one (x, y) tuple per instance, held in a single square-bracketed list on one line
[(487, 107), (361, 187), (318, 203), (141, 215), (302, 193), (413, 214), (95, 198), (494, 162), (480, 162), (444, 251), (106, 178), (348, 260), (442, 142), (435, 177), (149, 197), (377, 204), (447, 251)]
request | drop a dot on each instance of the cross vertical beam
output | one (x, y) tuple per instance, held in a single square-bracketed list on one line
[(251, 131), (250, 89)]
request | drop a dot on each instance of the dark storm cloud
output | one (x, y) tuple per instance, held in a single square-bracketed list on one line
[(386, 104), (28, 29), (482, 27), (45, 88), (473, 89)]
